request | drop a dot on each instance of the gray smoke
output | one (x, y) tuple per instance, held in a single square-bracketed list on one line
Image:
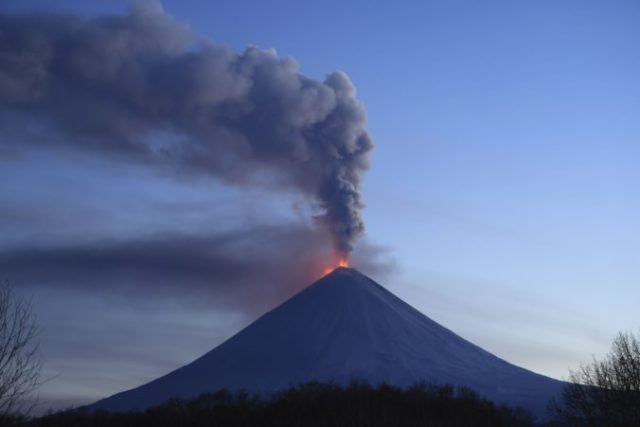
[(143, 87), (228, 269)]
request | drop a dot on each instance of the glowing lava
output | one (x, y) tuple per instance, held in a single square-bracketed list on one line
[(342, 262)]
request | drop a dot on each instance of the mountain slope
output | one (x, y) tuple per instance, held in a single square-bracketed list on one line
[(342, 327)]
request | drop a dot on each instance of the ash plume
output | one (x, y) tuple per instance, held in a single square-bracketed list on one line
[(226, 269), (142, 87)]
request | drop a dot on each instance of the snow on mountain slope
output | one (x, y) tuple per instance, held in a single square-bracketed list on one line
[(343, 327)]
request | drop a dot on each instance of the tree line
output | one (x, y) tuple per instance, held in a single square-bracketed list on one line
[(312, 404)]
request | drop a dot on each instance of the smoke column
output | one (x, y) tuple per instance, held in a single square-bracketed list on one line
[(142, 87)]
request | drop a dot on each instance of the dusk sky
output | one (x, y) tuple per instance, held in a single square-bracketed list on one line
[(501, 196)]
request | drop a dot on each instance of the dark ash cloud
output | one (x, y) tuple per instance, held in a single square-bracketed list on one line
[(251, 269), (142, 87)]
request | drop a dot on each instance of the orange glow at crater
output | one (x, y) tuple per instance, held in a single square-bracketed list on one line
[(342, 262)]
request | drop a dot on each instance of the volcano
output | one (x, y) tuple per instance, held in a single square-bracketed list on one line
[(343, 327)]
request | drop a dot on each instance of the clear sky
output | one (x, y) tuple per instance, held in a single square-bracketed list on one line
[(502, 193)]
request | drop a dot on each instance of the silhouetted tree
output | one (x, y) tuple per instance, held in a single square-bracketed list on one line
[(312, 405), (605, 392), (20, 360)]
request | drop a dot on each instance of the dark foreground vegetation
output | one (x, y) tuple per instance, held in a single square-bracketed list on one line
[(605, 392), (312, 404)]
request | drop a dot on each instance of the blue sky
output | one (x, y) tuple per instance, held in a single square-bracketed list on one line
[(503, 185)]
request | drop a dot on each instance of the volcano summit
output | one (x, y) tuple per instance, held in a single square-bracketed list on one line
[(345, 326)]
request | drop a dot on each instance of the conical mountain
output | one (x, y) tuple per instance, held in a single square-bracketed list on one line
[(343, 327)]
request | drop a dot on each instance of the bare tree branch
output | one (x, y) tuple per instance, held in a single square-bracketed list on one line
[(20, 360), (605, 392)]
